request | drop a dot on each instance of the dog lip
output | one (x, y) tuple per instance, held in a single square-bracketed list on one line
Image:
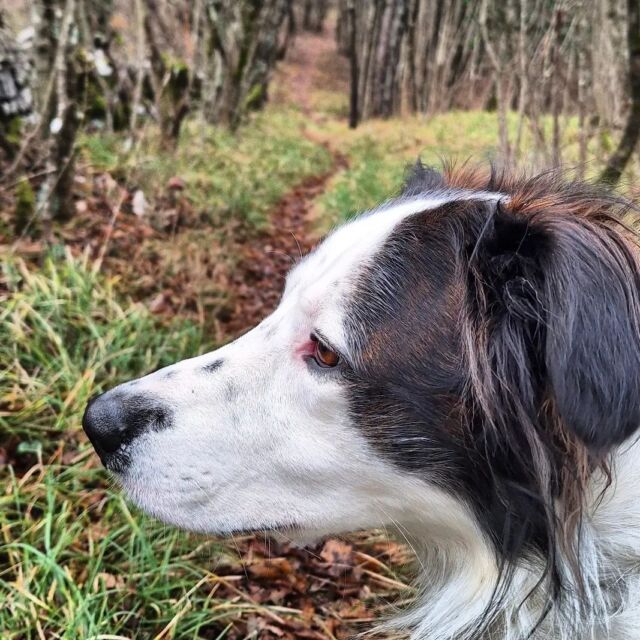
[(116, 461), (292, 527)]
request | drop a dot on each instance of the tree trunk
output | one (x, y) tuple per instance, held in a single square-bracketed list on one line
[(15, 90), (353, 64), (314, 13), (246, 41), (618, 161)]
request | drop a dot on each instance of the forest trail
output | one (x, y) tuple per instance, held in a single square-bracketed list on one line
[(350, 580), (312, 63)]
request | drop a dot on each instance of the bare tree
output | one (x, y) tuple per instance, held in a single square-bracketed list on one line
[(59, 111), (410, 54), (537, 62), (243, 42), (15, 89), (631, 133), (314, 14)]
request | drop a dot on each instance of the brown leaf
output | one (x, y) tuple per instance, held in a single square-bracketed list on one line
[(106, 580), (159, 303), (354, 610), (337, 552), (175, 182), (271, 569)]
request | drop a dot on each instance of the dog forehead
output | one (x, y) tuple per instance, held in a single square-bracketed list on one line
[(321, 283), (345, 250)]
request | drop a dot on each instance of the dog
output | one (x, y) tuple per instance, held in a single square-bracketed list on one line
[(461, 364)]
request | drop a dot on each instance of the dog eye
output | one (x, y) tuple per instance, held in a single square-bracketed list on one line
[(324, 355)]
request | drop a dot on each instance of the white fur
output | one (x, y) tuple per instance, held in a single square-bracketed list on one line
[(265, 443)]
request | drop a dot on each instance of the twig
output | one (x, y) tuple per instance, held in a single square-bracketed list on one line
[(115, 213)]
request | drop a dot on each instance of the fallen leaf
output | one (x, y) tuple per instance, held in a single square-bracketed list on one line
[(337, 552), (271, 569), (175, 183), (106, 580), (159, 303)]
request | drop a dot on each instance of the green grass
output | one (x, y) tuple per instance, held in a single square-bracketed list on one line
[(227, 175), (379, 151), (75, 563), (65, 334)]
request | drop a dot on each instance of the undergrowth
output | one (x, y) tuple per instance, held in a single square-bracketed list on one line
[(75, 563), (64, 335), (379, 151), (226, 175)]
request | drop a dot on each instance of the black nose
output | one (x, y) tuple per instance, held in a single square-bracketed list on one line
[(114, 419)]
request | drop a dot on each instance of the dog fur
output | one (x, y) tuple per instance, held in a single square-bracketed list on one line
[(484, 403)]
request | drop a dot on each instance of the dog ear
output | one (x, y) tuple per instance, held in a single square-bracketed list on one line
[(593, 338), (562, 295)]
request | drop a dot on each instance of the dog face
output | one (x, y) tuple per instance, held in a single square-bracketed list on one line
[(457, 364), (267, 432)]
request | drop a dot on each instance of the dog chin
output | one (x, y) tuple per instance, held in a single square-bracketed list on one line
[(197, 521)]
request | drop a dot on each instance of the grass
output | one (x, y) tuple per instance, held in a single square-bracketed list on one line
[(66, 335), (230, 181), (226, 175), (75, 563), (379, 151)]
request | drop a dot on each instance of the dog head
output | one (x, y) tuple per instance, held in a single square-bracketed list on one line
[(456, 363)]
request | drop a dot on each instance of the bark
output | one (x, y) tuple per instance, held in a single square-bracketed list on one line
[(631, 133), (533, 57), (245, 41), (56, 193), (15, 90), (410, 54), (353, 66), (314, 13)]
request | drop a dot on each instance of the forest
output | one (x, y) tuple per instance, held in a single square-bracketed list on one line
[(163, 163)]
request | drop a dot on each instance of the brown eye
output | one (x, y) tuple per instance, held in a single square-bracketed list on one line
[(324, 355)]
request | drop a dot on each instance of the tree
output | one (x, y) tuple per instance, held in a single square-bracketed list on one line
[(15, 91), (243, 42), (314, 13), (631, 133)]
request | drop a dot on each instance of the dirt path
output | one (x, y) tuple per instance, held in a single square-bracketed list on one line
[(258, 278), (312, 63)]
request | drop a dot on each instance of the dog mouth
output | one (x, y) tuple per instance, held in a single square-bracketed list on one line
[(284, 530), (135, 492)]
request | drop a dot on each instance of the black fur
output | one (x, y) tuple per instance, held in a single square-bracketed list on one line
[(499, 355), (212, 367)]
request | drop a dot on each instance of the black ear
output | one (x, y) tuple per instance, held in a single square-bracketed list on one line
[(562, 296), (592, 337)]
